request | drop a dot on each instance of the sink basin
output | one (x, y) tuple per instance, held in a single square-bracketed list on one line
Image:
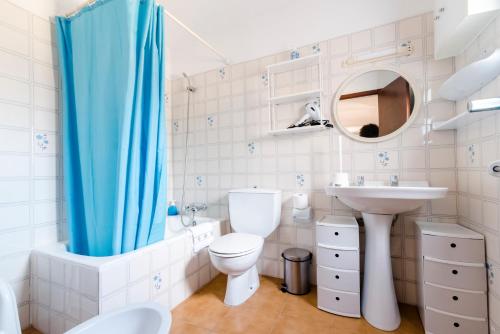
[(386, 200), (378, 205)]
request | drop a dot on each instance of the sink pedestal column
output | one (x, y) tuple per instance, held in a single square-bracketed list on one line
[(379, 304)]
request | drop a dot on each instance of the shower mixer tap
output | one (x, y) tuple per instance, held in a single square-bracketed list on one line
[(394, 181), (193, 208)]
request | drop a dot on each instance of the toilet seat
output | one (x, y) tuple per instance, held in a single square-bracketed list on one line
[(236, 244)]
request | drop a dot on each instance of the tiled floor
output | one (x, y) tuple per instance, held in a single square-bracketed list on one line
[(269, 311)]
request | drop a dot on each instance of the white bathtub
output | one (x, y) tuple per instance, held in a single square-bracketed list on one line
[(68, 289)]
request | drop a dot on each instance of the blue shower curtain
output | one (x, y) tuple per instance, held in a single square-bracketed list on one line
[(112, 69)]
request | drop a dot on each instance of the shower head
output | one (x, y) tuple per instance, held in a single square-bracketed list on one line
[(188, 83)]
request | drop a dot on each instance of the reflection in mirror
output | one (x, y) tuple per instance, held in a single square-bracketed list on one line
[(375, 104)]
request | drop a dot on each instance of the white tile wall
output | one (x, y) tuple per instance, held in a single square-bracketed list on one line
[(30, 212), (230, 147), (16, 41), (478, 192), (67, 290), (30, 199)]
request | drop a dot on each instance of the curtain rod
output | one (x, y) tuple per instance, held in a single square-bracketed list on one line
[(198, 37), (224, 60), (88, 3)]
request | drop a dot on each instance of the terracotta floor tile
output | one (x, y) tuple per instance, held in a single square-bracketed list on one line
[(203, 309), (305, 307), (347, 325), (183, 327), (31, 331), (246, 320), (410, 320), (292, 324), (269, 311)]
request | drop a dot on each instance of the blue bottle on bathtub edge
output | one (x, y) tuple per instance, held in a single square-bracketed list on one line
[(172, 209)]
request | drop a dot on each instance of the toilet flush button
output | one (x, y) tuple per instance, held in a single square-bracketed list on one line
[(494, 168)]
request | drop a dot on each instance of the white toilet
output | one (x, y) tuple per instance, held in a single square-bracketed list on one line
[(254, 214)]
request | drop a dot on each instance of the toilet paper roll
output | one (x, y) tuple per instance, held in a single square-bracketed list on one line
[(300, 201), (341, 180)]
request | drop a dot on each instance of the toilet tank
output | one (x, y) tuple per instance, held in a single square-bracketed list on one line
[(255, 211)]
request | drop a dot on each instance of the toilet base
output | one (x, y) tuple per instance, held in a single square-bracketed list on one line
[(241, 287)]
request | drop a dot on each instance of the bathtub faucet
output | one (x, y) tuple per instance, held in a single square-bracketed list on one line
[(193, 208)]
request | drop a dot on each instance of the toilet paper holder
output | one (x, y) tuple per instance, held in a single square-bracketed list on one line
[(302, 216), (301, 211)]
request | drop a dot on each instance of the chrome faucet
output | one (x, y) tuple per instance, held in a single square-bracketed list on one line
[(193, 208), (394, 181), (360, 180)]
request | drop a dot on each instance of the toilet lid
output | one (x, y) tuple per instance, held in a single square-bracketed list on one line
[(236, 243)]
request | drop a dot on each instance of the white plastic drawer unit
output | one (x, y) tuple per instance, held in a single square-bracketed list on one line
[(338, 264), (338, 232), (467, 277), (338, 258), (453, 249), (339, 302), (334, 236), (438, 322), (451, 279), (460, 302), (336, 279)]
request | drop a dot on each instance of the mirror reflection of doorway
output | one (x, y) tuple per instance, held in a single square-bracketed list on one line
[(376, 104), (394, 106)]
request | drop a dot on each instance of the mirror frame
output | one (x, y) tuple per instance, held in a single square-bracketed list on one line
[(416, 108)]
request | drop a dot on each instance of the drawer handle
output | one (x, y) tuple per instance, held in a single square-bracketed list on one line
[(337, 255), (453, 245), (337, 298), (337, 277), (455, 298), (336, 233), (456, 324), (454, 272)]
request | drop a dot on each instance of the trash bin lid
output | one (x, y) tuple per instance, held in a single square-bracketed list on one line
[(297, 254)]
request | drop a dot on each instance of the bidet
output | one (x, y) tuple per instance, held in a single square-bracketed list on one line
[(9, 318), (148, 318)]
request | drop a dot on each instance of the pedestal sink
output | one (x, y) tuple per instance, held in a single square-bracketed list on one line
[(378, 205)]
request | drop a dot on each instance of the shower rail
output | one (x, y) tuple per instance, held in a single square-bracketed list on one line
[(223, 59)]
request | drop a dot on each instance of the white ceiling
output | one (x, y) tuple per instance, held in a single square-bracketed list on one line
[(44, 9), (245, 30), (49, 8)]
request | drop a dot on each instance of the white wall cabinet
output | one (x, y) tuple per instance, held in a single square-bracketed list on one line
[(458, 22)]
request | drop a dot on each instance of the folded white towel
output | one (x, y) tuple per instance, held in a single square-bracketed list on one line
[(203, 235)]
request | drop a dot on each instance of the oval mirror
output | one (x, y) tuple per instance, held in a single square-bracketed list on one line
[(376, 104)]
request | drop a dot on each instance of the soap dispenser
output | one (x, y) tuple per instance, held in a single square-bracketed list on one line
[(172, 209)]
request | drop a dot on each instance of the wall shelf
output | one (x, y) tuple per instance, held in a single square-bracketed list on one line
[(458, 22), (294, 64), (471, 78), (312, 64), (296, 97), (461, 120), (304, 129)]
